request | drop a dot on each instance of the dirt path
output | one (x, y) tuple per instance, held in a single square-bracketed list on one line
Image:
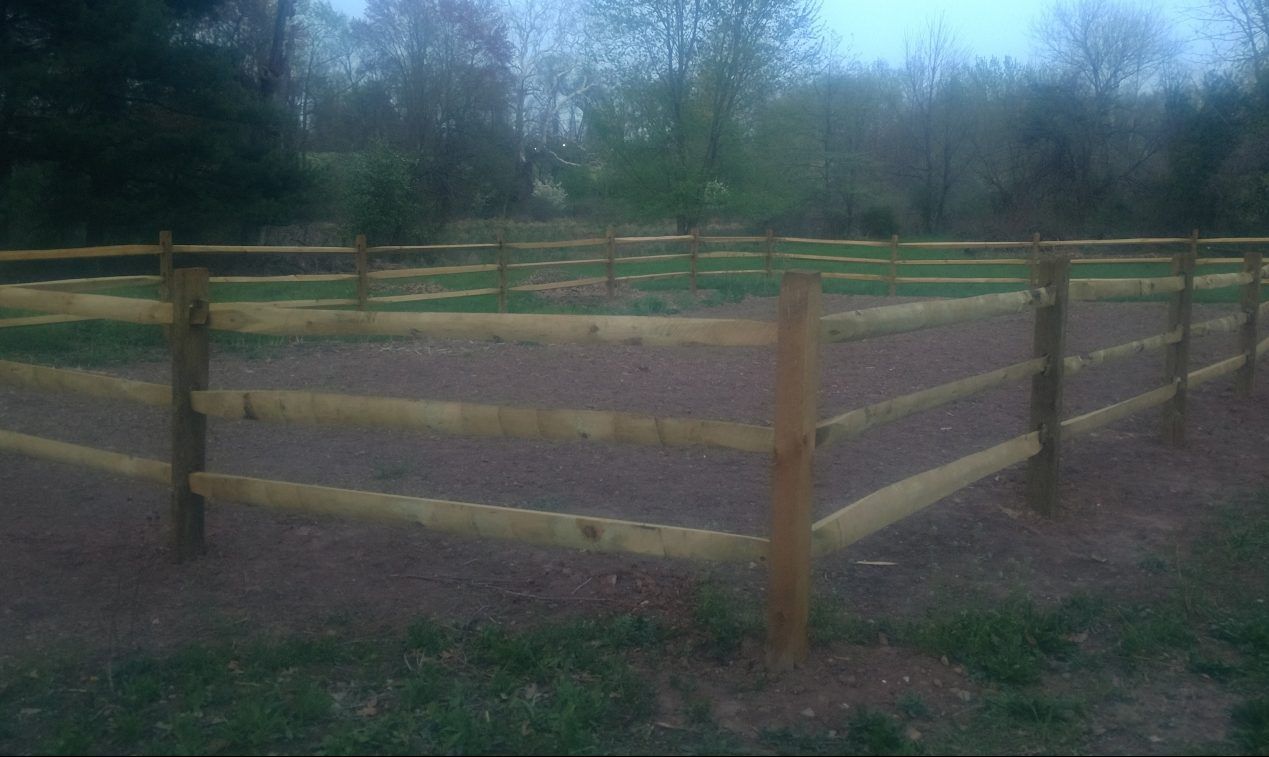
[(86, 565)]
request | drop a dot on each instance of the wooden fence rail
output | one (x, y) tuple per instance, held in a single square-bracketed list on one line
[(798, 336)]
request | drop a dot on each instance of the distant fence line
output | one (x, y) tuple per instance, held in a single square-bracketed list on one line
[(364, 277), (801, 331)]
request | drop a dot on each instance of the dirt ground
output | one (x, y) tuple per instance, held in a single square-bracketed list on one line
[(86, 566)]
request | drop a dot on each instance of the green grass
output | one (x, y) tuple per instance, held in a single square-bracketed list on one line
[(1048, 675), (558, 689)]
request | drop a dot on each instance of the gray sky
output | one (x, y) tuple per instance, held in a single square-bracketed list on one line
[(874, 29)]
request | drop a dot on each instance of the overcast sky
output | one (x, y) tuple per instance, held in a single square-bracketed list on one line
[(875, 29)]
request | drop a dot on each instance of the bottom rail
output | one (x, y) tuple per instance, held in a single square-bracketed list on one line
[(537, 527)]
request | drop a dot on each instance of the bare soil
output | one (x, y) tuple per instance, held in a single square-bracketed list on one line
[(86, 566)]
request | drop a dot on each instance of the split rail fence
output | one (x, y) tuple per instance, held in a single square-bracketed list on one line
[(798, 335)]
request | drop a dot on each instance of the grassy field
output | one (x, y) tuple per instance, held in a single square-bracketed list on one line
[(1052, 677)]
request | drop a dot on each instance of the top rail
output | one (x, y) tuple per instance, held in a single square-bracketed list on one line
[(914, 316), (214, 249), (499, 327), (72, 253), (89, 305)]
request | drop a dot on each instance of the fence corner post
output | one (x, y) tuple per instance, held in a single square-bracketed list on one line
[(502, 272), (1046, 386), (1035, 260), (694, 253), (1177, 365), (769, 249), (893, 287), (797, 388), (610, 259), (1245, 379), (165, 266), (363, 273), (189, 348)]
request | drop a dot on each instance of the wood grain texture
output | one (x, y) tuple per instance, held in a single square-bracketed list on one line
[(73, 253), (1176, 364), (914, 316), (899, 500), (1249, 302), (853, 423), (1082, 424), (797, 390), (87, 305), (189, 343), (531, 526), (44, 378), (86, 457), (515, 327), (473, 419), (1047, 386)]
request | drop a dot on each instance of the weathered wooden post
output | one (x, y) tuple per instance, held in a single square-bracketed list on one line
[(797, 387), (1035, 259), (694, 251), (165, 266), (610, 256), (769, 250), (893, 287), (502, 273), (189, 348), (1046, 386), (1245, 379), (363, 273), (1177, 365)]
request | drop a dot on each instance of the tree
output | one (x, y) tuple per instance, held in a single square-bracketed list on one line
[(682, 75), (444, 64), (937, 129)]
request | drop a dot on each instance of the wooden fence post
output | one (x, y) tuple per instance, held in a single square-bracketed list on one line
[(1177, 366), (610, 253), (165, 266), (1046, 386), (1245, 379), (797, 387), (189, 347), (1035, 259), (502, 273), (694, 249), (770, 249), (894, 265), (363, 273)]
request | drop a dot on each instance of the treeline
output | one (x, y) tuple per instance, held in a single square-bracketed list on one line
[(221, 118)]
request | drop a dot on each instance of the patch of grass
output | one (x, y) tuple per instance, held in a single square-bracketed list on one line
[(1251, 725), (724, 620), (565, 688), (1011, 641)]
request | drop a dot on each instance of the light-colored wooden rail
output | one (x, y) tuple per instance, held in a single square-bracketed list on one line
[(1077, 363), (473, 419), (416, 273), (913, 316), (532, 526), (80, 456), (899, 500), (75, 253), (46, 378), (1104, 289), (40, 320), (546, 329), (1082, 424), (87, 305), (89, 284), (235, 249), (851, 424)]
